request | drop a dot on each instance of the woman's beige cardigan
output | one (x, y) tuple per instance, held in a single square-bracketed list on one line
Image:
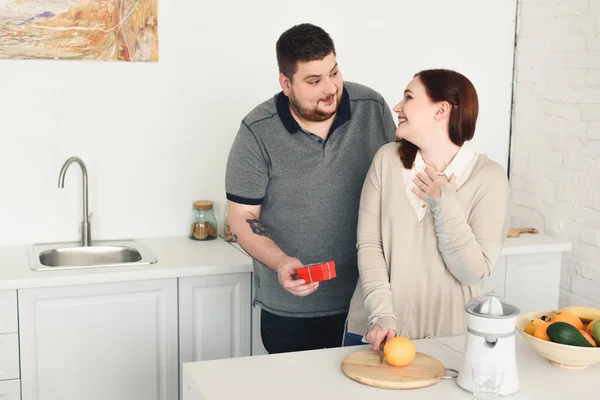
[(415, 276)]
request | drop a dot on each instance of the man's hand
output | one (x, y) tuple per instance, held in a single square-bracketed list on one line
[(376, 334), (298, 287)]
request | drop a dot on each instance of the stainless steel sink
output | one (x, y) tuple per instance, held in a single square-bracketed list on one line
[(86, 254), (115, 253)]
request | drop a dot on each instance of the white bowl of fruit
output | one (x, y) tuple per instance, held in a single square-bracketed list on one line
[(568, 337)]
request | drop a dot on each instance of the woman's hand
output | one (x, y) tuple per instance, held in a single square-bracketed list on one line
[(429, 184), (376, 334)]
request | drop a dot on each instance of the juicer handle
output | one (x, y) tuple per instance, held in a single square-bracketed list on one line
[(446, 376)]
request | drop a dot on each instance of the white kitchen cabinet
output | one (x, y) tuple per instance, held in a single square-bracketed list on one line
[(114, 341), (10, 386), (8, 312), (10, 390), (214, 317), (9, 357), (258, 349), (529, 281)]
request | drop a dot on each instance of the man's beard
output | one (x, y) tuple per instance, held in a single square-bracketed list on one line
[(313, 114)]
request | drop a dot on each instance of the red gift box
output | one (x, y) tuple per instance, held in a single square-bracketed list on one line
[(317, 272)]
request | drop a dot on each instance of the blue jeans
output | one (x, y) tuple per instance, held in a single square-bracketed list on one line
[(351, 339)]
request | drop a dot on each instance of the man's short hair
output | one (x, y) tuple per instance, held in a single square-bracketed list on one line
[(302, 43)]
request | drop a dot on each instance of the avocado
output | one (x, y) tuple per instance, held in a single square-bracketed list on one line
[(595, 330), (563, 333)]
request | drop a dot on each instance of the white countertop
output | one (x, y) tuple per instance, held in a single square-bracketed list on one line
[(180, 257), (318, 375), (530, 243), (527, 243), (177, 257)]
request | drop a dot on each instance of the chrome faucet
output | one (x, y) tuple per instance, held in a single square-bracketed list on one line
[(85, 224)]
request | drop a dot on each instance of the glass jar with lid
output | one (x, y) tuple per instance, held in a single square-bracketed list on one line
[(203, 224)]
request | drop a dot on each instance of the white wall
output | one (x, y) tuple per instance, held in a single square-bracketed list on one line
[(555, 172), (155, 137)]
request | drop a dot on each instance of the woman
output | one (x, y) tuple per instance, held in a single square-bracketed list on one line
[(431, 220)]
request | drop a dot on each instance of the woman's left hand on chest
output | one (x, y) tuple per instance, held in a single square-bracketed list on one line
[(428, 183)]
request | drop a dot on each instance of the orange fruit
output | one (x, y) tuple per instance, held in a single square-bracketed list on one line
[(588, 337), (530, 328), (568, 317), (589, 326), (540, 331), (399, 351)]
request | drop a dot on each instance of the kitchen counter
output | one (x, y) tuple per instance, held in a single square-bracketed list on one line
[(318, 375), (181, 257), (529, 243), (177, 257)]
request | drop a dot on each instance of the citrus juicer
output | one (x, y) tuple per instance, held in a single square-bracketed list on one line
[(490, 339)]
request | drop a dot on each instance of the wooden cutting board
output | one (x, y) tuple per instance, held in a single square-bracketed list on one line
[(515, 232), (364, 367)]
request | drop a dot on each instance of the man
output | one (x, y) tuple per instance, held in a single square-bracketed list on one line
[(293, 182)]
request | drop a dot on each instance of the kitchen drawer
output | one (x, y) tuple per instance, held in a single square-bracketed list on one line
[(9, 357), (10, 390), (8, 311)]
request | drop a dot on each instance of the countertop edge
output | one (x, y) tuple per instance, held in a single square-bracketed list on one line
[(122, 276), (537, 249)]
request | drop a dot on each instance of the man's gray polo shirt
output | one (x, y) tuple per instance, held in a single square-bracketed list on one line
[(309, 191)]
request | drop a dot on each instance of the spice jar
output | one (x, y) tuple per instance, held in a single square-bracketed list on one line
[(204, 223)]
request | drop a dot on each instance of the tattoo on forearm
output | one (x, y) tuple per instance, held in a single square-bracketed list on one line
[(258, 228)]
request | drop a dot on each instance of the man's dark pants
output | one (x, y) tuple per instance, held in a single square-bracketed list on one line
[(285, 334)]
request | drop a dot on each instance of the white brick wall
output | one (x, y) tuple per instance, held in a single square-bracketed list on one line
[(555, 165)]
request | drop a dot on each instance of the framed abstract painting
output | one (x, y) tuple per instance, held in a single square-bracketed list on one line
[(109, 30)]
